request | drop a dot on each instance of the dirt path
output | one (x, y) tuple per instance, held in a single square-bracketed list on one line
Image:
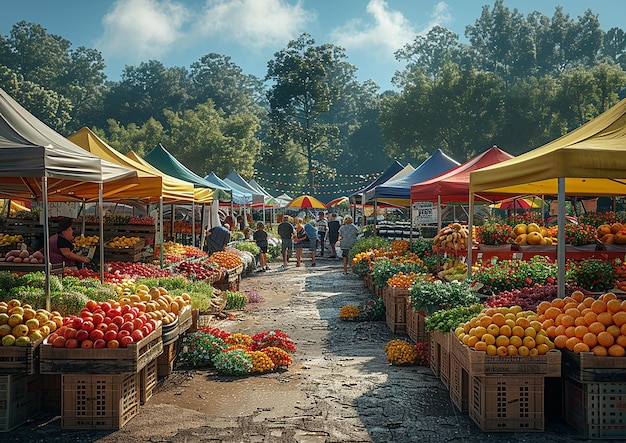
[(340, 387)]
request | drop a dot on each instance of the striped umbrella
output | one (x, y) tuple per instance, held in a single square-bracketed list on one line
[(305, 201)]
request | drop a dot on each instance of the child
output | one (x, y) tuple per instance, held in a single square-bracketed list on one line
[(260, 237)]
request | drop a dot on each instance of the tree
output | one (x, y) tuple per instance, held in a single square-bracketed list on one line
[(302, 92), (614, 46)]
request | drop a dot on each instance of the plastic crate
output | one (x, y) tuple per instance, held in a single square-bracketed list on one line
[(395, 308), (147, 381), (20, 400), (507, 403), (20, 359), (97, 401), (597, 410), (459, 385), (478, 363), (133, 358), (586, 367)]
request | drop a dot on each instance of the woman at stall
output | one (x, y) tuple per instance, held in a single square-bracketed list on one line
[(61, 246)]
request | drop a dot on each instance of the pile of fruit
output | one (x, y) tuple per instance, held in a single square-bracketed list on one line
[(505, 332), (10, 240), (453, 236), (103, 325), (199, 271), (91, 240), (21, 325), (156, 303), (586, 324), (89, 218), (23, 256), (402, 280), (226, 259), (455, 270), (533, 234), (116, 219), (148, 221), (122, 242)]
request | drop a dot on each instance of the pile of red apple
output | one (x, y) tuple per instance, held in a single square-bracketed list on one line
[(103, 325)]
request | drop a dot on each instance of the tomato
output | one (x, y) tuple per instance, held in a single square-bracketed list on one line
[(118, 320), (59, 342), (88, 325), (91, 305), (125, 341), (98, 318), (138, 323), (113, 327), (77, 322), (128, 326), (70, 333), (123, 333)]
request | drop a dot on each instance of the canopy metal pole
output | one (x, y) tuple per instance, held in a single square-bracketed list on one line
[(101, 222), (439, 212), (193, 224), (161, 230), (46, 239), (469, 243), (560, 243), (173, 210)]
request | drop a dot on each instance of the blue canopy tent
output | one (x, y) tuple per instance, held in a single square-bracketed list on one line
[(239, 197), (393, 169), (237, 182), (398, 191)]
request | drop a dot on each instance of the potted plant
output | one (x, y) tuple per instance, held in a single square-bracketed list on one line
[(493, 235)]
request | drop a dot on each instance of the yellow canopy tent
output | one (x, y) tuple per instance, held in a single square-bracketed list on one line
[(588, 161), (151, 185)]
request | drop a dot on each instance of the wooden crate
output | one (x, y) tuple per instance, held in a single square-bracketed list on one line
[(20, 359), (586, 367), (51, 392), (20, 400), (131, 359), (597, 410), (444, 366), (185, 320), (99, 401), (507, 403), (438, 341), (459, 385), (416, 324), (147, 381), (165, 361), (395, 308)]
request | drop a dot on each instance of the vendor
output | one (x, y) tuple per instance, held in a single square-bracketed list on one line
[(61, 246), (217, 238)]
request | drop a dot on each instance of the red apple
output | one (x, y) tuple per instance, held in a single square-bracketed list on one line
[(145, 330), (112, 327), (114, 312), (71, 343), (123, 333), (86, 344), (138, 323), (50, 338), (96, 334), (108, 320), (125, 309), (88, 326), (102, 326), (113, 344), (118, 320), (59, 342), (99, 343), (135, 310), (110, 335), (137, 335), (129, 316), (128, 326), (81, 335), (77, 322), (85, 313), (70, 333), (91, 305), (98, 318), (105, 306), (125, 341)]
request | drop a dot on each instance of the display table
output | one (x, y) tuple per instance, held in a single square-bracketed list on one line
[(487, 256)]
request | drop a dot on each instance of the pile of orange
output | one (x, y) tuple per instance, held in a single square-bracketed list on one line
[(400, 246), (505, 332), (402, 280), (586, 324)]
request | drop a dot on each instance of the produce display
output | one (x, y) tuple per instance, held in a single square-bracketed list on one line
[(198, 271), (505, 332), (10, 240), (156, 303), (455, 270), (103, 325), (90, 240), (586, 324), (21, 325), (533, 234), (453, 236), (174, 252), (226, 259), (147, 220), (612, 233), (23, 256), (122, 242)]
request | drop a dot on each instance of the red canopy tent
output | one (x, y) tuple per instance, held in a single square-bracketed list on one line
[(453, 186)]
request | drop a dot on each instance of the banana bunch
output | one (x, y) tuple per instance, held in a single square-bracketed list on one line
[(81, 240), (454, 236), (8, 240)]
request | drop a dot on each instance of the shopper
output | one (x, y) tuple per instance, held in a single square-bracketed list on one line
[(322, 227), (333, 234), (301, 240), (217, 238), (286, 232), (260, 238), (312, 236), (61, 246), (348, 233)]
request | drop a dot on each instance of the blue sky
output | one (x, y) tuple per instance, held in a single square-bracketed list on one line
[(179, 32)]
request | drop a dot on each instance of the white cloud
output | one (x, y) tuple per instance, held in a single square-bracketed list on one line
[(142, 29), (254, 23), (389, 32), (441, 15)]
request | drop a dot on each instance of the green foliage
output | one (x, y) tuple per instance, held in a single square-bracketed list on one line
[(235, 300), (7, 280), (593, 274), (249, 246), (433, 296), (38, 280), (36, 297), (200, 292), (371, 310), (274, 251), (446, 319), (233, 362), (363, 244), (385, 268), (200, 348), (68, 302)]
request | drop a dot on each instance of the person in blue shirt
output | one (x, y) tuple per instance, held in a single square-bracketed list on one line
[(311, 233), (218, 238)]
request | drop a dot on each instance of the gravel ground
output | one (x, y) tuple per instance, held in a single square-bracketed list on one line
[(340, 387)]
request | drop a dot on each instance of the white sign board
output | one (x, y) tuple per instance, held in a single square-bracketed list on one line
[(61, 209), (423, 212)]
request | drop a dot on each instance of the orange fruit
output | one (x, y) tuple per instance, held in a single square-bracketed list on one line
[(481, 346), (511, 350), (616, 351), (493, 329), (623, 329), (547, 323), (560, 341), (614, 306), (570, 305), (619, 318), (529, 342), (571, 342), (492, 350), (502, 351), (590, 339), (550, 331), (489, 339), (605, 339), (505, 330), (479, 331), (523, 322), (581, 331), (523, 351), (559, 318), (516, 341), (598, 306), (502, 341), (552, 312), (542, 349), (590, 317), (543, 307), (605, 318), (489, 311), (570, 331), (583, 309), (498, 319), (608, 296), (588, 301), (599, 351), (621, 340), (580, 347), (580, 321), (567, 320), (518, 330), (614, 331), (596, 327), (558, 303), (560, 330), (578, 296)]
